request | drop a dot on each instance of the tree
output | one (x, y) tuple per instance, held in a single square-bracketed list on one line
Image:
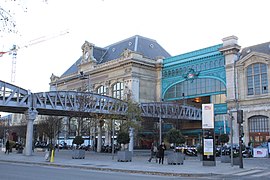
[(123, 138), (175, 136), (132, 116), (50, 127), (83, 100), (21, 129), (78, 140), (224, 138)]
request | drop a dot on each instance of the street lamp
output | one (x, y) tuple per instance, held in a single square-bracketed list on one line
[(83, 77), (160, 127)]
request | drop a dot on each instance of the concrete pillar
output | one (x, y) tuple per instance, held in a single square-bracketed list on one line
[(30, 117), (108, 137), (159, 66), (131, 142), (99, 140)]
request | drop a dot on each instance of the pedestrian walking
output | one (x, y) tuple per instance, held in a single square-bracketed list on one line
[(153, 153), (160, 154), (7, 147)]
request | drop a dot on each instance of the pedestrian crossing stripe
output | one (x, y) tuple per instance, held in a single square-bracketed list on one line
[(248, 172)]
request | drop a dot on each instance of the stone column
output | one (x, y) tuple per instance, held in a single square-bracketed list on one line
[(107, 141), (30, 117), (159, 66), (99, 131), (131, 142), (230, 50)]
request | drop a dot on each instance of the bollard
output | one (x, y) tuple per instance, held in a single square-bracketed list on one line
[(52, 156)]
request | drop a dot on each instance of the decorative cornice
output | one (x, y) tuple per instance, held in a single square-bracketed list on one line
[(230, 49), (193, 54)]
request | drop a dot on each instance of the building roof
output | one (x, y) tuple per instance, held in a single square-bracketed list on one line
[(260, 48), (149, 48)]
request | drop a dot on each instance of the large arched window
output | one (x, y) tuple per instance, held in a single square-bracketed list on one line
[(258, 127), (118, 90), (102, 90), (258, 124), (197, 87), (257, 82)]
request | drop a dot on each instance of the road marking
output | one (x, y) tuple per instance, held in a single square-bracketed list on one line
[(248, 172), (261, 174)]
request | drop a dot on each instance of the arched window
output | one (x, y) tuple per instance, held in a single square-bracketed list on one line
[(257, 82), (102, 90), (258, 127), (196, 87), (258, 124), (118, 90)]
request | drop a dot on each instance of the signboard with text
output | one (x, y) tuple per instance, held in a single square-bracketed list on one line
[(207, 116)]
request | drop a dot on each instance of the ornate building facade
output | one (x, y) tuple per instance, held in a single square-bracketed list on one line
[(229, 77), (131, 67), (248, 70), (197, 78)]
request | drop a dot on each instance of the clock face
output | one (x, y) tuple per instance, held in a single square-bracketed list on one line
[(86, 55)]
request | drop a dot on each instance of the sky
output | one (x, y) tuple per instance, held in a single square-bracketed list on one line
[(179, 26)]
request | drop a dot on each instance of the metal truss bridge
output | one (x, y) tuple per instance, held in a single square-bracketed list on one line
[(14, 99)]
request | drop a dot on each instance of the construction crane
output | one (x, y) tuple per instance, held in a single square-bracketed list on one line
[(15, 48)]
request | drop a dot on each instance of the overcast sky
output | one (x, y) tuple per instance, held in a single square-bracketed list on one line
[(179, 26)]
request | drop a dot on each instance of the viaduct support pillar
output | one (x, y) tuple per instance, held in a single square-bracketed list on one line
[(99, 140), (30, 117), (131, 142)]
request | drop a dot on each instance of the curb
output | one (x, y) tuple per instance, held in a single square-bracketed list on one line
[(115, 170)]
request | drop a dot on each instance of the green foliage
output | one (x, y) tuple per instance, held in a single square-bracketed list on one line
[(175, 136), (132, 116), (12, 144), (123, 138), (78, 140), (200, 149), (224, 138), (235, 154), (133, 111)]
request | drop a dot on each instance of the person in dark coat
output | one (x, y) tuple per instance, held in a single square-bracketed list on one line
[(7, 147), (153, 152), (161, 150)]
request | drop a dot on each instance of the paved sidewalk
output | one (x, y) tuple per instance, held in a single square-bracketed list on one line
[(104, 161)]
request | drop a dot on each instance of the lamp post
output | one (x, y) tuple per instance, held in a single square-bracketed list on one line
[(113, 132), (160, 123), (83, 77), (160, 129)]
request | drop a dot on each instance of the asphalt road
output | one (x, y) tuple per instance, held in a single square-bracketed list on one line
[(13, 171)]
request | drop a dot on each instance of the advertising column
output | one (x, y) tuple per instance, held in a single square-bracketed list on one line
[(208, 135)]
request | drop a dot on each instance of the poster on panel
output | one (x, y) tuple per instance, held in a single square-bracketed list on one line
[(208, 148), (207, 116)]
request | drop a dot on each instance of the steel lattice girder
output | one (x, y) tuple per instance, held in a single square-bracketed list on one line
[(17, 100), (13, 98), (72, 101), (170, 110)]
